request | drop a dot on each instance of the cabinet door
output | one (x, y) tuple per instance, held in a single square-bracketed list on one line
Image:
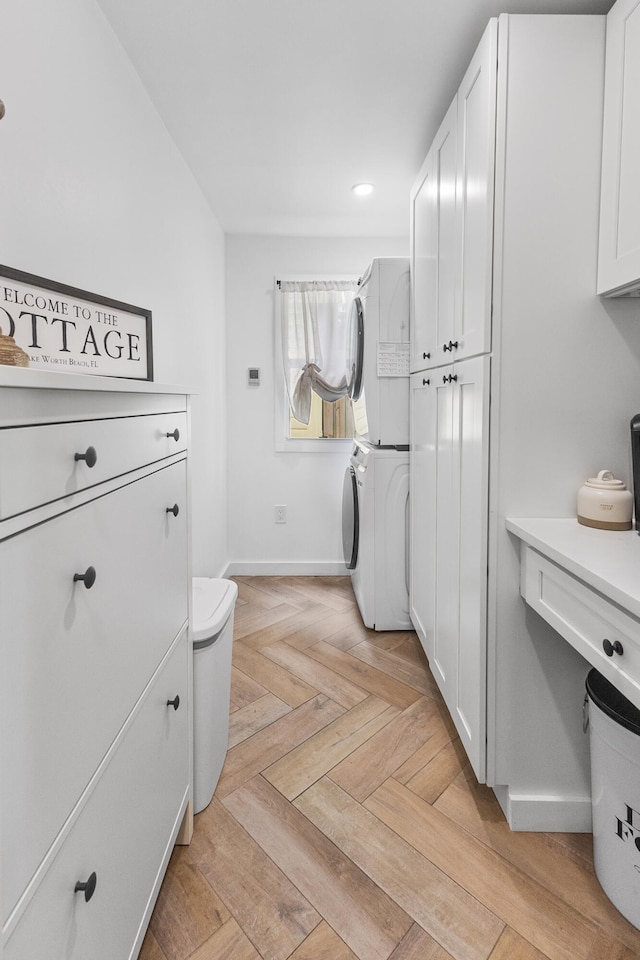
[(445, 642), (422, 499), (435, 250), (475, 184), (424, 252), (445, 159), (619, 251), (467, 701)]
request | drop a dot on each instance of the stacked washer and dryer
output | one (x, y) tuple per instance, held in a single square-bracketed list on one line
[(375, 511)]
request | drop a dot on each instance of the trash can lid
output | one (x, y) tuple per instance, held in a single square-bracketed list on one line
[(612, 702), (213, 602)]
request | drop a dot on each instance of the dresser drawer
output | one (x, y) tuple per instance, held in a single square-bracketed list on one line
[(75, 660), (38, 465), (120, 834), (586, 619)]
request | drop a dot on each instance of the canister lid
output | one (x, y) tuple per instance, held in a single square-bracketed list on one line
[(609, 699), (606, 480), (213, 601)]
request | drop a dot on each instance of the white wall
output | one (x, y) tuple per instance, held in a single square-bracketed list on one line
[(94, 193), (310, 484)]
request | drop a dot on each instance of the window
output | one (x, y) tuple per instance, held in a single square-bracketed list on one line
[(312, 328)]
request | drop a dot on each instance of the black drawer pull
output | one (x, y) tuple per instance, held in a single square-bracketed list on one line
[(88, 577), (175, 703), (425, 383), (175, 509), (611, 648), (90, 456), (175, 434), (426, 356), (88, 888)]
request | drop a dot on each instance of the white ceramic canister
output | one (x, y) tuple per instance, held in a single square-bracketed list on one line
[(605, 502)]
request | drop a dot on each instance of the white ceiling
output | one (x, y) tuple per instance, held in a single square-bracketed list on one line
[(280, 106)]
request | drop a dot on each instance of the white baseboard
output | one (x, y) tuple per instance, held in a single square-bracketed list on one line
[(542, 812), (301, 568)]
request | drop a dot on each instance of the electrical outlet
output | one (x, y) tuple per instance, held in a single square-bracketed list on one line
[(281, 514)]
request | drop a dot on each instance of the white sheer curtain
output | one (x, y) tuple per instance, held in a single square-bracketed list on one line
[(314, 324)]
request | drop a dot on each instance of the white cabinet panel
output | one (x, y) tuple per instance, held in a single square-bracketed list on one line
[(449, 515), (121, 835), (81, 656), (475, 191), (468, 706), (54, 447), (422, 496), (434, 256), (619, 250)]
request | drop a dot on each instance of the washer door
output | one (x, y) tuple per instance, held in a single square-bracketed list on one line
[(350, 518), (355, 348)]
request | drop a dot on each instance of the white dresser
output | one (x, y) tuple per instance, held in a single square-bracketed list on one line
[(95, 660)]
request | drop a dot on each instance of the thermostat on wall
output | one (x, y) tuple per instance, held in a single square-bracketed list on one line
[(253, 376)]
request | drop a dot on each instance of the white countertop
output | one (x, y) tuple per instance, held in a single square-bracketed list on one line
[(607, 560), (43, 379)]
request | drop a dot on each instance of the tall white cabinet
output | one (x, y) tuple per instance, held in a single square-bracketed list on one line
[(452, 229), (512, 403), (95, 659)]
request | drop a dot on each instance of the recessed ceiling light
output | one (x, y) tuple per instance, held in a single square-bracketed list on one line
[(362, 189)]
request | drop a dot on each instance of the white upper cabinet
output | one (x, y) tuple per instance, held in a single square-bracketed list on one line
[(474, 197), (452, 223), (619, 251), (434, 254)]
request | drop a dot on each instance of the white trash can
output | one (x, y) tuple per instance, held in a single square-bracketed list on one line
[(213, 609), (614, 724)]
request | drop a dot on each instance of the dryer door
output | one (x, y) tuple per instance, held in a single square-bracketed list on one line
[(350, 518), (355, 348)]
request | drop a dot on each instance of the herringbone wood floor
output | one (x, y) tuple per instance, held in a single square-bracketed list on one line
[(347, 824)]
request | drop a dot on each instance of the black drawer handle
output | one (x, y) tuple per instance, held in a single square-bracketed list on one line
[(611, 648), (88, 887), (175, 509), (426, 356), (425, 383), (175, 434), (175, 703), (90, 456), (88, 577)]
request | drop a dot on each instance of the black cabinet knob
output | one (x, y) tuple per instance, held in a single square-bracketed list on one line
[(88, 887), (175, 434), (445, 347), (88, 577), (426, 356), (175, 509), (90, 456), (425, 383), (175, 703), (444, 378), (611, 648)]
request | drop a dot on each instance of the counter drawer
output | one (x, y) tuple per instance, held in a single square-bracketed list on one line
[(121, 834), (586, 619), (38, 465), (75, 660)]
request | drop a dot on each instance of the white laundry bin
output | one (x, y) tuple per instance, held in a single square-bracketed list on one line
[(614, 724), (213, 609)]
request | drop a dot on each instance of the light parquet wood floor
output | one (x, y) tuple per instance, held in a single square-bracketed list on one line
[(347, 824)]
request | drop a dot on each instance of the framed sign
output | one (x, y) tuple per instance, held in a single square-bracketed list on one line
[(51, 326)]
